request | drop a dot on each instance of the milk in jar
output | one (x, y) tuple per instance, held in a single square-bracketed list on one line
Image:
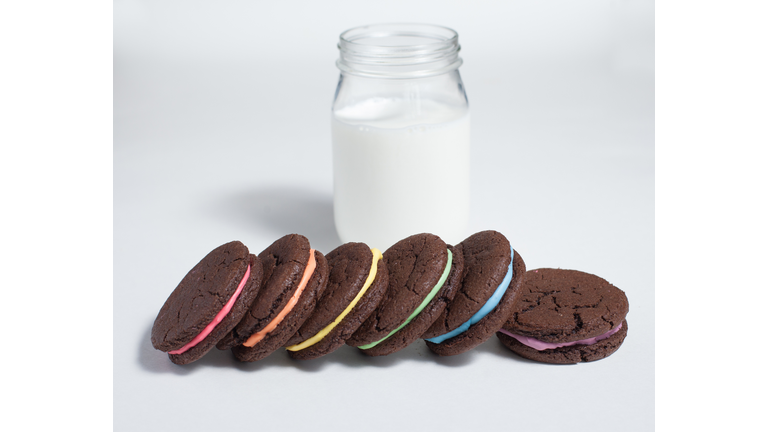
[(401, 136)]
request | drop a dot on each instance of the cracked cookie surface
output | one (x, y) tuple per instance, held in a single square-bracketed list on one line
[(284, 262), (293, 320), (350, 265), (566, 305), (200, 296), (484, 329), (486, 261), (415, 265), (413, 330)]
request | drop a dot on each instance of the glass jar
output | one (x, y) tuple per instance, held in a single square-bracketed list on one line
[(400, 132)]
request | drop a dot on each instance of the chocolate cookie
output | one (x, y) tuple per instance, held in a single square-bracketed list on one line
[(493, 274), (566, 316), (357, 282), (208, 303), (423, 277), (289, 293)]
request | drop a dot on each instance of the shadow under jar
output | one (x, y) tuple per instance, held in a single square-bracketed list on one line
[(400, 132)]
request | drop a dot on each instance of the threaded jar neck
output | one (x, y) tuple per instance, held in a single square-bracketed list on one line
[(398, 51)]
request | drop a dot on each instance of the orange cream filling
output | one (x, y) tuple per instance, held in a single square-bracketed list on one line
[(261, 334)]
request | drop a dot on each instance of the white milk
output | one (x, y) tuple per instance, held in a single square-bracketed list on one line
[(399, 169)]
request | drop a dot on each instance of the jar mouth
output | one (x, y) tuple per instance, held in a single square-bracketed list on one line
[(399, 50)]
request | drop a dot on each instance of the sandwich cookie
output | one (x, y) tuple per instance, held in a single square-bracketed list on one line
[(493, 275), (424, 274), (294, 279), (357, 282), (566, 316), (208, 303)]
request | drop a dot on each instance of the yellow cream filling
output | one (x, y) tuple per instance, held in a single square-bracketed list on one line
[(322, 333)]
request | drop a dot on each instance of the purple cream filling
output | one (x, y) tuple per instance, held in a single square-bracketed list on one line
[(541, 346)]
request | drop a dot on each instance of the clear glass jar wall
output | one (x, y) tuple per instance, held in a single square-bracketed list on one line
[(400, 132)]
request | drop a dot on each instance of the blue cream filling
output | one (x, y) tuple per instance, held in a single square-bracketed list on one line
[(485, 310)]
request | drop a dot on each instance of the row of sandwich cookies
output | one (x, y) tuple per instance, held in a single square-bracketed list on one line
[(455, 297)]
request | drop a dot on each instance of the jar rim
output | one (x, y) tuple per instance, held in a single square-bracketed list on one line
[(440, 34), (398, 50)]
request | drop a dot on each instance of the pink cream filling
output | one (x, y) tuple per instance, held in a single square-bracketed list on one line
[(541, 346), (218, 318)]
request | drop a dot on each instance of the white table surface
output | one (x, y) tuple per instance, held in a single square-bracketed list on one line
[(222, 132)]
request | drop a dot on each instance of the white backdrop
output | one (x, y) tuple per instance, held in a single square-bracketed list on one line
[(222, 132)]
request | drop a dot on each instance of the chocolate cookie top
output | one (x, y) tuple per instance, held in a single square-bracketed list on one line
[(283, 262), (276, 333), (203, 296), (350, 268), (416, 265), (566, 305), (416, 327), (484, 324), (487, 256)]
